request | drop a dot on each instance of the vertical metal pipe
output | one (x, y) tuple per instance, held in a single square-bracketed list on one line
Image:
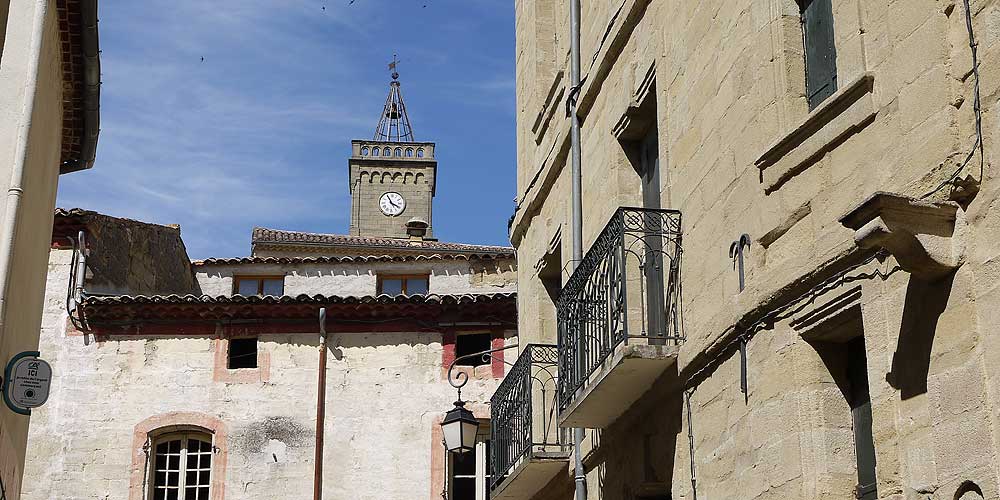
[(577, 218), (320, 408)]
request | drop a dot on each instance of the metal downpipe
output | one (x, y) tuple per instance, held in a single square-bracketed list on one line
[(577, 218), (320, 408)]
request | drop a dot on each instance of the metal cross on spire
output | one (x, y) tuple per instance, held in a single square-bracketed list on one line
[(394, 125)]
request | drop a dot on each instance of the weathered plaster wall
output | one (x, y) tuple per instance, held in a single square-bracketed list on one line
[(386, 392), (360, 279), (729, 87)]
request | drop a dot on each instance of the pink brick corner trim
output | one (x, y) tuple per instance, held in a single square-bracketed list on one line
[(144, 430)]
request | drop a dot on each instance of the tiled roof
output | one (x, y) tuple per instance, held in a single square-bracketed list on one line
[(340, 259), (175, 314), (80, 55), (73, 212), (280, 237), (300, 299)]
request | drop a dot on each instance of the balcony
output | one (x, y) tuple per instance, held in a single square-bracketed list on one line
[(619, 317), (526, 447)]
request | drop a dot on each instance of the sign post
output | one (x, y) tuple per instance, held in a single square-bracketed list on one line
[(26, 381)]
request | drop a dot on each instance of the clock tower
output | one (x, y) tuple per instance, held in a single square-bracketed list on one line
[(392, 176)]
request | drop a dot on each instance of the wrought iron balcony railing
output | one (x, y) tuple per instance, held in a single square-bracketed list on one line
[(517, 429), (626, 287)]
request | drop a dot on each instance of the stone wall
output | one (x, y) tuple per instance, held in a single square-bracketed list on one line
[(137, 258), (741, 153)]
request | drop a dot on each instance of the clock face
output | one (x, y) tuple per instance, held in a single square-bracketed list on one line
[(392, 204)]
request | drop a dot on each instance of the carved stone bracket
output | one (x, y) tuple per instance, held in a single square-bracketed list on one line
[(920, 234)]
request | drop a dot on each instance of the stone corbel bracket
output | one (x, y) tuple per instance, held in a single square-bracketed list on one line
[(923, 236)]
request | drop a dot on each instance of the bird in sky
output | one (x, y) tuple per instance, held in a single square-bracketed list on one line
[(202, 58)]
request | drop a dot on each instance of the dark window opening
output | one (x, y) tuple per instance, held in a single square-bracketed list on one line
[(242, 353), (820, 50), (861, 413), (844, 355), (470, 343)]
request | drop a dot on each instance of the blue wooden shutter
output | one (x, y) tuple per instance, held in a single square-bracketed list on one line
[(820, 50)]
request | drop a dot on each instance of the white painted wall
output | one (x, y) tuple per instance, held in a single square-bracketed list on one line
[(385, 392), (352, 279)]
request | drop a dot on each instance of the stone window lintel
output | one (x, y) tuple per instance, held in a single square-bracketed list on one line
[(849, 109)]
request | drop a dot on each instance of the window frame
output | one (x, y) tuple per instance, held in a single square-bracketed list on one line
[(482, 465), (184, 435), (404, 278), (260, 278)]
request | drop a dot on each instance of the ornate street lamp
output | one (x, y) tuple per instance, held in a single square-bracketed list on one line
[(460, 426), (460, 429)]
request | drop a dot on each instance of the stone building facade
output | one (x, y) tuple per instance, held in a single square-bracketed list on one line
[(49, 109), (802, 306), (199, 380)]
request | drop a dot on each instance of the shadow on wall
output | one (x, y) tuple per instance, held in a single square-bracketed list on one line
[(925, 302), (636, 451)]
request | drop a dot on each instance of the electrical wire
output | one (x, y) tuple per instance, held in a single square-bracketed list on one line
[(977, 109)]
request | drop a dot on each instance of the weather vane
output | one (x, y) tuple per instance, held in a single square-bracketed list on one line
[(392, 67)]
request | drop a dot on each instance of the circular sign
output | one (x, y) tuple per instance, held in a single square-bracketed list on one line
[(29, 382)]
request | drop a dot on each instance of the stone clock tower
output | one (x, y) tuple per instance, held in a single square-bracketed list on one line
[(392, 177)]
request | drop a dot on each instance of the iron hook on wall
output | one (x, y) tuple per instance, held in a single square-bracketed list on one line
[(736, 252)]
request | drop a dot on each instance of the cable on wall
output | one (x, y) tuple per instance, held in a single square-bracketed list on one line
[(976, 108)]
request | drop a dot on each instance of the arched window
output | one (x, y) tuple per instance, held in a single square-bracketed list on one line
[(364, 151), (387, 151), (409, 152), (182, 466), (399, 152), (420, 153), (375, 151)]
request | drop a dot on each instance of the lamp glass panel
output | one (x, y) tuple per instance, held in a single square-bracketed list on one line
[(469, 432), (452, 435)]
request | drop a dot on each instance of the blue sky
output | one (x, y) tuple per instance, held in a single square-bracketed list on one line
[(258, 134)]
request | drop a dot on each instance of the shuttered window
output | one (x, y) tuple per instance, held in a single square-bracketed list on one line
[(861, 411), (820, 50)]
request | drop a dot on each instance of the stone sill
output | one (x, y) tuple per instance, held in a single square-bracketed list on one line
[(847, 111)]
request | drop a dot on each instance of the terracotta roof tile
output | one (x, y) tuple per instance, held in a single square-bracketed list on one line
[(263, 235), (342, 259)]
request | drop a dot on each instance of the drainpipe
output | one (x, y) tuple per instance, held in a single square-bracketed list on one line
[(15, 191), (577, 218), (320, 408)]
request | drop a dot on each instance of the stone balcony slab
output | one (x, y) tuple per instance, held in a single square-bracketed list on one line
[(623, 378)]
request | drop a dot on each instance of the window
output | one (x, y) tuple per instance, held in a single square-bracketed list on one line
[(403, 285), (260, 285), (364, 151), (420, 153), (409, 152), (375, 151), (820, 50), (469, 473), (242, 353), (861, 413), (386, 151), (399, 151), (469, 343), (182, 467)]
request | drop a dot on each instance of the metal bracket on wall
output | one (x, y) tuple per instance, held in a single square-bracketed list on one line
[(744, 387), (736, 250)]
